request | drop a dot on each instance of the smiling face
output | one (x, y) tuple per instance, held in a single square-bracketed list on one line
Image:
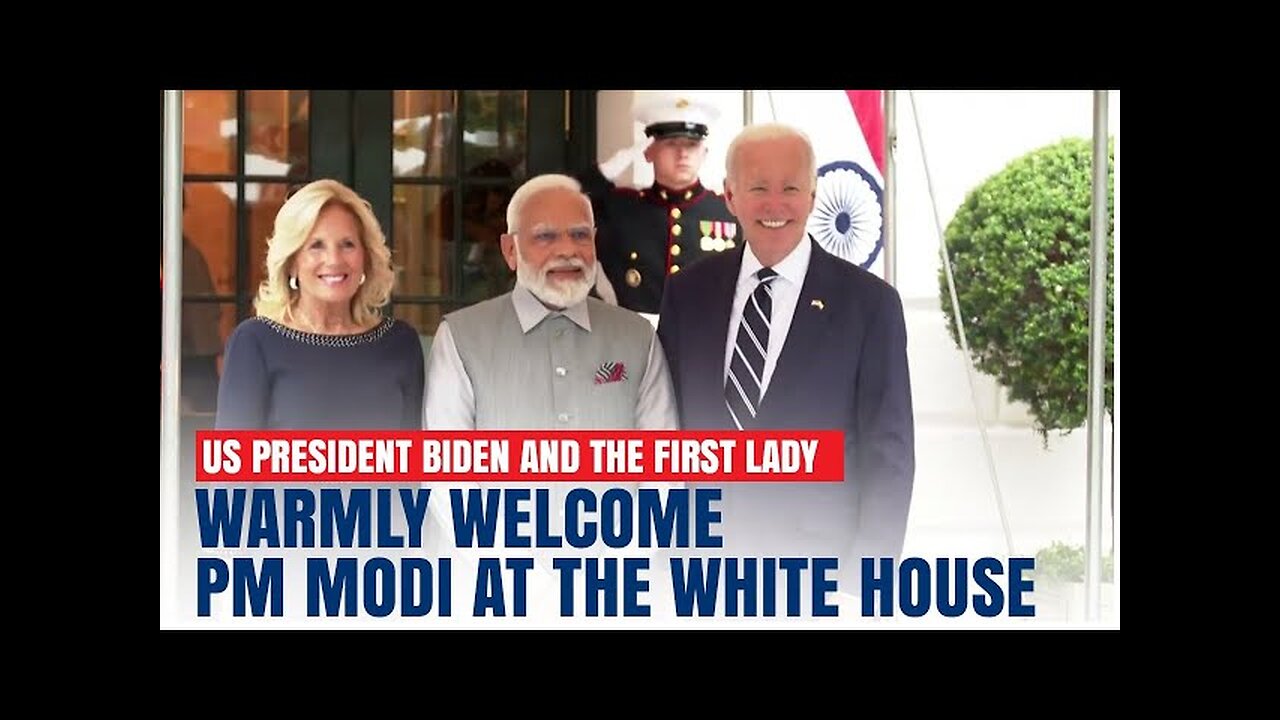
[(331, 261), (771, 192), (553, 251)]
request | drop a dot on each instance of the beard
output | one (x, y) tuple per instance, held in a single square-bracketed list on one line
[(559, 294)]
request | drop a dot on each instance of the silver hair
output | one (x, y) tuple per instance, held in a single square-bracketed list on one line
[(768, 131), (533, 187)]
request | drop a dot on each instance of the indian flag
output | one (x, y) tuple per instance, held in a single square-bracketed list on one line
[(847, 130)]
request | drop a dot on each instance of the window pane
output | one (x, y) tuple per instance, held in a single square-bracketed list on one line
[(423, 223), (264, 201), (278, 122), (425, 318), (495, 130), (484, 218), (423, 133), (205, 328), (209, 131), (209, 235)]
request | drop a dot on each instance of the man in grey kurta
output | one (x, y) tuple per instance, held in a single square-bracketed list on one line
[(512, 363), (545, 356)]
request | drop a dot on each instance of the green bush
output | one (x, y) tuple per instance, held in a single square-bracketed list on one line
[(1062, 563), (1020, 255)]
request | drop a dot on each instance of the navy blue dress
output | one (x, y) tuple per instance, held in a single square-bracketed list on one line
[(278, 378)]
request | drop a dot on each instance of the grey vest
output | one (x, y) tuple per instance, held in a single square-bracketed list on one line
[(557, 376)]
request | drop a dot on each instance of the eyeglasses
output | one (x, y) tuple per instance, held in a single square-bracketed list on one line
[(581, 235)]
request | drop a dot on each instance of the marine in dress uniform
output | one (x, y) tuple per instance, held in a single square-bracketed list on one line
[(647, 234)]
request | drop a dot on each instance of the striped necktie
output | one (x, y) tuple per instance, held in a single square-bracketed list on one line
[(746, 367)]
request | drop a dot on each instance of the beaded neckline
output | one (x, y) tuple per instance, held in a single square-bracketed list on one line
[(371, 335)]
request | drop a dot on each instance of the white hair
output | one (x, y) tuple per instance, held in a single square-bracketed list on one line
[(533, 187), (559, 295), (767, 131)]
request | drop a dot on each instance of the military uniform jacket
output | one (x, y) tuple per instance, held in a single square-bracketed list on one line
[(645, 235)]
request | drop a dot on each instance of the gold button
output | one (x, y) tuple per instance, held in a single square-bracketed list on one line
[(675, 230), (635, 255), (675, 213), (675, 269), (633, 277), (675, 251)]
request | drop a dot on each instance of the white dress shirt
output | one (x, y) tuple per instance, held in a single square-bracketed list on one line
[(791, 270)]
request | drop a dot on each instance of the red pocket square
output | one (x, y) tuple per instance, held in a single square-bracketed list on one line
[(611, 372)]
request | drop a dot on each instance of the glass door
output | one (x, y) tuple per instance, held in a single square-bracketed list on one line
[(454, 157), (438, 167)]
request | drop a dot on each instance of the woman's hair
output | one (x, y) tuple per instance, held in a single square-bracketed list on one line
[(293, 226)]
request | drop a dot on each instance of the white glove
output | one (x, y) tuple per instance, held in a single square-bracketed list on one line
[(604, 288), (623, 159)]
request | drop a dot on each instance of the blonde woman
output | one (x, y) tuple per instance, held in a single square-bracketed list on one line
[(320, 353)]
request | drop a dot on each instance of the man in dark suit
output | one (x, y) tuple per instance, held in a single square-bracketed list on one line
[(781, 334)]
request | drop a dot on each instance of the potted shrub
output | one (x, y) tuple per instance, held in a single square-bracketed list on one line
[(1059, 582), (1020, 254)]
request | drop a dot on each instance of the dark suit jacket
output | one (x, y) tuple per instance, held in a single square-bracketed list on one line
[(844, 367)]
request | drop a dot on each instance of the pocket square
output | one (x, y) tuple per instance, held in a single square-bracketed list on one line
[(611, 372)]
